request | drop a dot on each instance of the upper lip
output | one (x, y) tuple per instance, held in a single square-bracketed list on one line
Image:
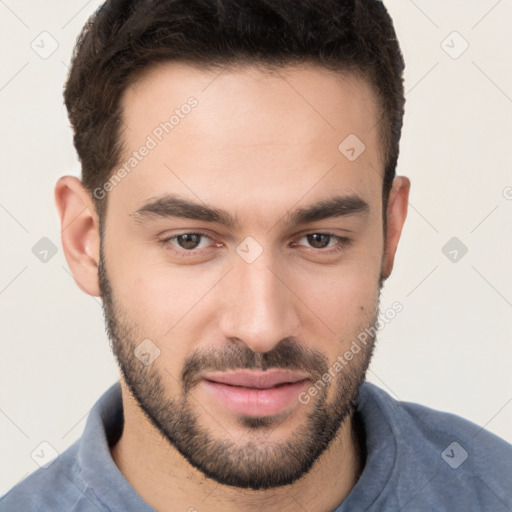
[(262, 379)]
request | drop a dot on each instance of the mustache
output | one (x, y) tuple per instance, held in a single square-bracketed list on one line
[(286, 355)]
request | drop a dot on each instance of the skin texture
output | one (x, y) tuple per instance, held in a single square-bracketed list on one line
[(259, 146)]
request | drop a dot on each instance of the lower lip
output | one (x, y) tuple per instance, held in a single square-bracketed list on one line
[(255, 402)]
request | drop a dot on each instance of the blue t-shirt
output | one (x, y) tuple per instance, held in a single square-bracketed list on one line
[(417, 459)]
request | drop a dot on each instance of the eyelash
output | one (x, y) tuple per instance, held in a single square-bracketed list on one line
[(342, 243)]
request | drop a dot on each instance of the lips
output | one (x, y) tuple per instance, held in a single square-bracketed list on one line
[(255, 393), (257, 379)]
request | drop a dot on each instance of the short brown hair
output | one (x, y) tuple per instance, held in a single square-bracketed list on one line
[(125, 37)]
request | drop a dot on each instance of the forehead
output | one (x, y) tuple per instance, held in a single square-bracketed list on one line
[(309, 101), (217, 133)]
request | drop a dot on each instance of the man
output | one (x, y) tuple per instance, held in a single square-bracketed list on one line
[(238, 214)]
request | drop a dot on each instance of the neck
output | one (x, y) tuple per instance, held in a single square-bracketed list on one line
[(167, 482)]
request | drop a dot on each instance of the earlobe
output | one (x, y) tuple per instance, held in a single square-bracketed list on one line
[(396, 215), (79, 232)]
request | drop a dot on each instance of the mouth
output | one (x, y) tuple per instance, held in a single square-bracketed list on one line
[(256, 393)]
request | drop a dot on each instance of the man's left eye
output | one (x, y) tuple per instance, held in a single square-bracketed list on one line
[(322, 240)]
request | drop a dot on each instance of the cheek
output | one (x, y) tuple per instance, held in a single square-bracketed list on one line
[(343, 303), (344, 295), (159, 308), (162, 299), (163, 303)]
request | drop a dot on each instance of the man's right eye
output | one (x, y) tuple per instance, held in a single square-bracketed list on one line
[(188, 242)]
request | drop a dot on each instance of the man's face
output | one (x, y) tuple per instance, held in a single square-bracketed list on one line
[(283, 286)]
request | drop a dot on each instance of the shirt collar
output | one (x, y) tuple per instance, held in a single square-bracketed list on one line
[(99, 470)]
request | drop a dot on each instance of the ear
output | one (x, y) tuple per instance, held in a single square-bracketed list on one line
[(396, 215), (79, 232)]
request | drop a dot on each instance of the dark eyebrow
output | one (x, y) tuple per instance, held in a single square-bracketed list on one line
[(337, 206), (173, 206)]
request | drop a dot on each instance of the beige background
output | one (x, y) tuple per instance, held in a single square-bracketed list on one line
[(450, 348)]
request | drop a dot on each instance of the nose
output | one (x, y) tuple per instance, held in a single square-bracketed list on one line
[(259, 309)]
